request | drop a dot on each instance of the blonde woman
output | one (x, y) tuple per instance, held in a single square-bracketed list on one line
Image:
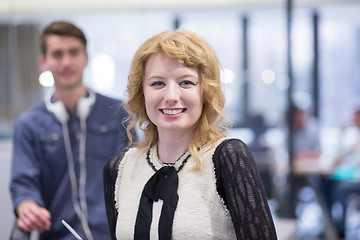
[(185, 179)]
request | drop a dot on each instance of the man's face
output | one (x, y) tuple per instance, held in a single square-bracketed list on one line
[(299, 118), (66, 58)]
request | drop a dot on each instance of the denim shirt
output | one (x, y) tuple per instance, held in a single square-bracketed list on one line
[(39, 165)]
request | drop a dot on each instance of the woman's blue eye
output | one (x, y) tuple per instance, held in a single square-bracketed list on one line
[(187, 83), (157, 84)]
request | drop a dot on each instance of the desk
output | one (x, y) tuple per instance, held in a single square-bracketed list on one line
[(316, 166), (312, 166)]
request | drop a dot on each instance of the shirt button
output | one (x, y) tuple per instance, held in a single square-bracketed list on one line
[(55, 136), (81, 158), (103, 128), (78, 135)]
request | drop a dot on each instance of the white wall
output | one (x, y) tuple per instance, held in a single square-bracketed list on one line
[(33, 6), (21, 6)]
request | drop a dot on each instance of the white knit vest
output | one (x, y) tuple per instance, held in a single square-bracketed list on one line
[(200, 213)]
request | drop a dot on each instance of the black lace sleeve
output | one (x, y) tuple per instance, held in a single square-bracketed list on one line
[(109, 177), (240, 186)]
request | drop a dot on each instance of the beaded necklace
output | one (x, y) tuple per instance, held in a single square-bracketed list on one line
[(167, 164)]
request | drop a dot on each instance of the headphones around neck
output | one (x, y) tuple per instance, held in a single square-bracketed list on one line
[(83, 109), (60, 112)]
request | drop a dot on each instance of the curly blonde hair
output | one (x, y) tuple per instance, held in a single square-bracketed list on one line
[(195, 53)]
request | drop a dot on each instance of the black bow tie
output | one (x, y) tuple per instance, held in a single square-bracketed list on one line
[(162, 185)]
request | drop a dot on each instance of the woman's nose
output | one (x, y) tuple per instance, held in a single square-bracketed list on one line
[(172, 93)]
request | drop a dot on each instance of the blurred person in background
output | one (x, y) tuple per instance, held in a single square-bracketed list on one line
[(306, 133), (61, 145), (306, 141), (353, 150), (346, 176), (306, 152)]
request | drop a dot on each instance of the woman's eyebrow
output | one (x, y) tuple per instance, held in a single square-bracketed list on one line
[(154, 77)]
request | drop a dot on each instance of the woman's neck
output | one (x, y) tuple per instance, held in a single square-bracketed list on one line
[(170, 148)]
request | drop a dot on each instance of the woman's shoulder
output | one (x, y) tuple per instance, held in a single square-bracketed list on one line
[(232, 150), (131, 153), (230, 143), (112, 165)]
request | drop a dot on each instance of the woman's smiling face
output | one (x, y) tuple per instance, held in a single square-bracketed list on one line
[(173, 95)]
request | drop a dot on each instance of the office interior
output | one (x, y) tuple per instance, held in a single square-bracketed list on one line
[(272, 53)]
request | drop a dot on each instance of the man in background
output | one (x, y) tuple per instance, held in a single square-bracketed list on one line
[(306, 134), (307, 150), (61, 145)]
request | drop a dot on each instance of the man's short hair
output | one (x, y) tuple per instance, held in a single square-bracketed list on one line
[(61, 28)]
